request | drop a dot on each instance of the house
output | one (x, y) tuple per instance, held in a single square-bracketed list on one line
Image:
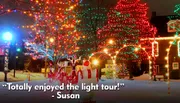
[(167, 40)]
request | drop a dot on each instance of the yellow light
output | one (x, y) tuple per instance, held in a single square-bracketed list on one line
[(95, 62), (155, 52), (111, 41), (167, 74), (166, 65), (117, 52), (161, 38), (114, 61), (175, 36), (144, 48), (71, 7), (178, 48), (167, 50), (166, 58), (106, 50), (170, 42), (136, 49), (124, 45), (51, 40)]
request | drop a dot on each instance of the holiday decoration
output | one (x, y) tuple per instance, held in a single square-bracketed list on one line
[(54, 33), (127, 24), (86, 75), (174, 22), (92, 18), (86, 63)]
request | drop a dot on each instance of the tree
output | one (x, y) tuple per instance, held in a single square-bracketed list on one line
[(127, 24), (53, 34), (92, 18), (9, 6)]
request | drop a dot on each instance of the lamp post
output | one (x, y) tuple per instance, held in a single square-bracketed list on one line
[(7, 37)]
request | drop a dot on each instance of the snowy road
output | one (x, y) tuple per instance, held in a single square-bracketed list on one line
[(133, 92)]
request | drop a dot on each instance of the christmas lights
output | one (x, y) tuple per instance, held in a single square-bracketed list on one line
[(155, 48), (178, 46), (148, 56), (91, 18), (127, 24), (177, 28), (174, 23), (54, 32), (160, 38)]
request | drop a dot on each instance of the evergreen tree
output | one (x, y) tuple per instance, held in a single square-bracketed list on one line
[(92, 18), (127, 24)]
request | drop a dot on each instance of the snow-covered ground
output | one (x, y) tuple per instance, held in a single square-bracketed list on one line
[(21, 76), (136, 91)]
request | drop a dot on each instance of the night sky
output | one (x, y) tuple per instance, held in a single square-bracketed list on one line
[(162, 7)]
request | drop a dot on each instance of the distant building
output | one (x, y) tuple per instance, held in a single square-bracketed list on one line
[(167, 29)]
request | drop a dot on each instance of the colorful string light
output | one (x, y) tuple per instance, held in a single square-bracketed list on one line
[(92, 18), (54, 30), (127, 24)]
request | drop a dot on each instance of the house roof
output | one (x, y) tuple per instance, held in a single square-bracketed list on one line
[(160, 22)]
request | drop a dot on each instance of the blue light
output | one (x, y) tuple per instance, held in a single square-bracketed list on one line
[(7, 36)]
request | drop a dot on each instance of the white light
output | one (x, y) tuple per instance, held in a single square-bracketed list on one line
[(117, 52), (51, 40), (167, 74), (171, 42), (106, 50), (166, 58), (155, 52), (136, 49), (95, 62), (110, 41), (7, 36)]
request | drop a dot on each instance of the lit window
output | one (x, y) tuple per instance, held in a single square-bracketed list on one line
[(155, 49), (175, 65)]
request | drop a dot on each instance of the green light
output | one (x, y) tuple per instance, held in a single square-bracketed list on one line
[(18, 50)]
